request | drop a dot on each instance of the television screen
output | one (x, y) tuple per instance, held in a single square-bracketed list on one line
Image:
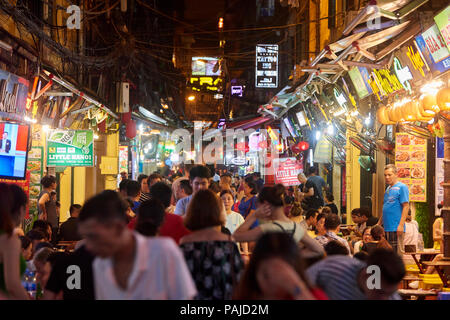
[(13, 150)]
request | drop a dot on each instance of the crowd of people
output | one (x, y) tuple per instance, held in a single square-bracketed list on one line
[(196, 236)]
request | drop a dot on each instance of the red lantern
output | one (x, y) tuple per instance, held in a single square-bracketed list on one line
[(303, 145), (131, 129), (241, 146), (102, 126), (299, 147), (126, 117)]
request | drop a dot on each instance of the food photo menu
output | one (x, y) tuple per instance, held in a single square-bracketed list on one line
[(411, 163)]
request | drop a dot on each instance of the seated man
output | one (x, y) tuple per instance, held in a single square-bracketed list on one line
[(69, 229), (346, 278), (332, 225), (363, 218)]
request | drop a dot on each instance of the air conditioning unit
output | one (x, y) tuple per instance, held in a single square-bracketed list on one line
[(123, 97)]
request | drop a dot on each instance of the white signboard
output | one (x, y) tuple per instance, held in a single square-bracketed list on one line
[(266, 66)]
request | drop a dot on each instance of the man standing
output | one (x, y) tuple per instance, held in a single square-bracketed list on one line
[(47, 204), (199, 178), (5, 143), (69, 229), (395, 208), (314, 190)]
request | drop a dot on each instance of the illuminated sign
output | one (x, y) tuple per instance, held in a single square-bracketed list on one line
[(266, 66), (237, 91), (442, 22), (435, 44), (340, 98), (204, 66), (416, 60), (206, 83), (383, 83), (289, 127), (358, 82), (403, 74), (301, 118), (432, 51)]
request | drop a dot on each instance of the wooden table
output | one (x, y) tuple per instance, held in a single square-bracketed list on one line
[(413, 254), (421, 294), (407, 279), (439, 265)]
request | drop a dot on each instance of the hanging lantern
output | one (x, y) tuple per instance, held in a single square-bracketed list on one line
[(443, 99), (390, 113), (407, 114), (131, 129), (419, 113), (382, 116), (398, 113), (429, 104), (126, 117)]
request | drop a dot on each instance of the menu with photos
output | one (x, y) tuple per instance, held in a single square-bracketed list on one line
[(411, 163)]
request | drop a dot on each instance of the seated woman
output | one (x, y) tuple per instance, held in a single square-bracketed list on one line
[(438, 230), (379, 241), (212, 257), (276, 271), (270, 209)]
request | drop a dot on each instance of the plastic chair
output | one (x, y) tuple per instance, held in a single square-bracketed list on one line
[(443, 295), (432, 284)]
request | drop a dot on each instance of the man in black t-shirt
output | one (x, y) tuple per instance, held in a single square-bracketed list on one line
[(314, 190), (72, 275)]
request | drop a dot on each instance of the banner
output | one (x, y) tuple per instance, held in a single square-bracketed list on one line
[(287, 170), (13, 96), (266, 66), (70, 148), (411, 163), (123, 159)]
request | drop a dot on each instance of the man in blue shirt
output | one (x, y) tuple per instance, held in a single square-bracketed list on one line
[(314, 189), (395, 208)]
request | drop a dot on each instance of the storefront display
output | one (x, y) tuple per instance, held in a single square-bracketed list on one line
[(286, 171)]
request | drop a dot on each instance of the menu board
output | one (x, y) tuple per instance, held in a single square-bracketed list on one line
[(411, 163), (35, 167), (123, 159), (439, 173)]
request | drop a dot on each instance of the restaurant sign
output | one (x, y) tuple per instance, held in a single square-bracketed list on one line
[(443, 24), (411, 163), (287, 170), (410, 56), (206, 83), (362, 89), (384, 82), (70, 148), (403, 74), (266, 66), (434, 50), (13, 95)]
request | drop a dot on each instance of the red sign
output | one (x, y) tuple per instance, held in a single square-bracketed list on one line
[(287, 170), (25, 185)]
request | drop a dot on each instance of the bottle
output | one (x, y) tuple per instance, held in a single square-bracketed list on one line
[(25, 279), (32, 284)]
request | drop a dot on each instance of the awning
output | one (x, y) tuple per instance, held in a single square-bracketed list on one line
[(246, 124)]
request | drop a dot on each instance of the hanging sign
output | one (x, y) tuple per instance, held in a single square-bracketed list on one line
[(439, 172), (411, 163), (403, 74), (70, 148), (434, 50), (266, 66), (443, 23), (411, 57), (206, 83), (123, 158), (358, 82), (35, 166), (383, 82), (287, 170)]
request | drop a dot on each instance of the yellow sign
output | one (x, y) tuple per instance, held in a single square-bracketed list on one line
[(386, 82), (416, 60), (205, 83)]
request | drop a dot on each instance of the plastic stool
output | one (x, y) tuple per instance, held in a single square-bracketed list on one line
[(443, 295)]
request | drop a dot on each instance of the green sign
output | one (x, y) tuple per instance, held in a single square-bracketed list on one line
[(70, 148), (442, 22)]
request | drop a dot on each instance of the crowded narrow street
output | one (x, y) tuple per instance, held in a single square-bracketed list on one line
[(224, 150)]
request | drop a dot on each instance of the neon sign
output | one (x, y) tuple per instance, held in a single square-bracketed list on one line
[(416, 60), (383, 83), (206, 83), (340, 98), (403, 74)]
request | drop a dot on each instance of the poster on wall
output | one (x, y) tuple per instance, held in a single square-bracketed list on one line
[(439, 172), (36, 167), (411, 163), (287, 170), (70, 148), (123, 159)]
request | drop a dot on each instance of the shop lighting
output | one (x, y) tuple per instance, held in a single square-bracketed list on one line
[(161, 110), (165, 106), (46, 128), (318, 134), (191, 98), (431, 121), (96, 137), (367, 121), (330, 130), (27, 119), (354, 113), (432, 87), (339, 113)]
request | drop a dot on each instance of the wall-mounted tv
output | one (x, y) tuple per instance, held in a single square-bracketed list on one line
[(14, 139)]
